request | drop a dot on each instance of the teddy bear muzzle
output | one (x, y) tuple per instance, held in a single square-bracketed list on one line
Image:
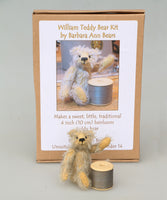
[(82, 140), (84, 59)]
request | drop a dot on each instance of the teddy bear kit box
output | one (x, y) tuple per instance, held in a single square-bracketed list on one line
[(87, 75)]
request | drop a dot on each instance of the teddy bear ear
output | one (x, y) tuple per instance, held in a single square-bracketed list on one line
[(74, 50), (91, 133), (70, 133), (97, 52)]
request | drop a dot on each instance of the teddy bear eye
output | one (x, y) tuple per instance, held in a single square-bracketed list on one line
[(76, 137), (79, 56), (86, 137), (89, 56)]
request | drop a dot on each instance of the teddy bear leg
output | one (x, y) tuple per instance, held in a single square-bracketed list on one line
[(80, 96), (83, 181)]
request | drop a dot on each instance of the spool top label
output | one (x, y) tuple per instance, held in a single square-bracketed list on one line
[(100, 82), (102, 166)]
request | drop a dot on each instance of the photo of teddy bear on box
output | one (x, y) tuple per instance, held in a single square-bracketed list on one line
[(87, 75)]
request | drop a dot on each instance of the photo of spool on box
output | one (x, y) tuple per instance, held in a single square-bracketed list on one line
[(100, 91), (75, 53)]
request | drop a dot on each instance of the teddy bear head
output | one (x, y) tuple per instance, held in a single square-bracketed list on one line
[(84, 57), (81, 139)]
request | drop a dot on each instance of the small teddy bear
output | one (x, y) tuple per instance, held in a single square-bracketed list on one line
[(75, 82), (76, 163)]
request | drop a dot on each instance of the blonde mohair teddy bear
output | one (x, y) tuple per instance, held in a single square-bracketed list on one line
[(75, 82), (76, 163)]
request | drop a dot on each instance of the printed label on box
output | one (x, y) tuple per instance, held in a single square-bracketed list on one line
[(87, 80)]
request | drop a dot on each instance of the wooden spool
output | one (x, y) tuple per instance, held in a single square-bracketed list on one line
[(102, 175)]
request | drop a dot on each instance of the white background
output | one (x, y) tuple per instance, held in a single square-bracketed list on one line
[(121, 132)]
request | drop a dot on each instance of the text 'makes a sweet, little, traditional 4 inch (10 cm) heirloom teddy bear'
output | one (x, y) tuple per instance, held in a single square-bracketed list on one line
[(74, 85), (76, 163)]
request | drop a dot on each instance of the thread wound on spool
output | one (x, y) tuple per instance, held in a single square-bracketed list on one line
[(100, 91), (102, 175)]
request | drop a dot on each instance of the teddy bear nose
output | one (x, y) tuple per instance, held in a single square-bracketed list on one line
[(82, 139), (84, 59)]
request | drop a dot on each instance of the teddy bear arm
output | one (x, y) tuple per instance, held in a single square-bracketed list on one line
[(68, 158), (67, 82), (96, 67), (106, 62), (104, 143), (67, 163), (70, 74), (101, 145)]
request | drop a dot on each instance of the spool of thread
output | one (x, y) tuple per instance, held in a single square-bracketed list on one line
[(100, 91), (102, 175)]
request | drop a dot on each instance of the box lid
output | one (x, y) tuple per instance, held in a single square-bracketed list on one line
[(136, 11)]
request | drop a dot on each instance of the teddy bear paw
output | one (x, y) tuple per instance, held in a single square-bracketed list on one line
[(65, 93), (64, 176), (104, 143), (84, 181), (80, 94)]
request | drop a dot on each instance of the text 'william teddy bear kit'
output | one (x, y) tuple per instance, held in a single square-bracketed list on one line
[(87, 76)]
